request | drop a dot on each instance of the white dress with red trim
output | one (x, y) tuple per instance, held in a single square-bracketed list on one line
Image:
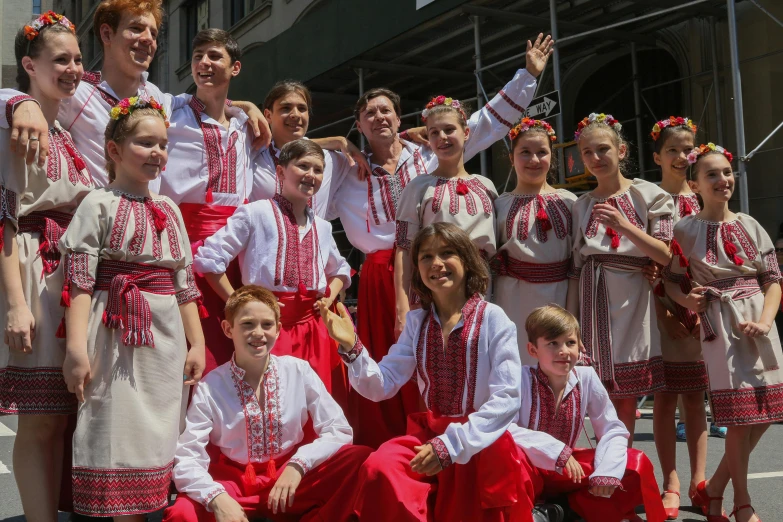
[(614, 293), (534, 234), (734, 260), (132, 254), (548, 434), (682, 359), (294, 262), (39, 202), (465, 202)]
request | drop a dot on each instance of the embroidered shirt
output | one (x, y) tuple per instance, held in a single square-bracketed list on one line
[(226, 413)]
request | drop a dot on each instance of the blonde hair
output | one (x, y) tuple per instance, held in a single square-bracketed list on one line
[(550, 322), (250, 294), (118, 131)]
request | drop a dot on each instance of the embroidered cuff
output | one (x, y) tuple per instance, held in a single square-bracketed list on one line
[(191, 292), (404, 136), (605, 481), (77, 271), (441, 451), (563, 458), (354, 353), (301, 463), (772, 272), (7, 205), (209, 497), (665, 229), (401, 239), (10, 106)]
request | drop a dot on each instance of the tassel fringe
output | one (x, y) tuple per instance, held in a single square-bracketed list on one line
[(615, 237), (139, 338), (60, 334)]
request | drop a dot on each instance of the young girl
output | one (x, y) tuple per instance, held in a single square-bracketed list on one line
[(130, 287), (449, 195), (684, 370), (533, 228), (458, 460), (283, 246), (736, 292), (618, 229), (36, 206)]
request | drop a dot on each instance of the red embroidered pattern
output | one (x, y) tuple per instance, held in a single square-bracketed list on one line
[(122, 491), (209, 497), (301, 463), (172, 228), (686, 204), (685, 377), (477, 321), (10, 106), (473, 185), (605, 481), (744, 240), (511, 102), (308, 273), (771, 274), (136, 244), (401, 237), (281, 244), (191, 293), (625, 204), (263, 427), (94, 79), (221, 164), (504, 265), (519, 203), (639, 378), (35, 391), (564, 425), (497, 116), (120, 225), (745, 406), (7, 204), (355, 352), (298, 258), (665, 230), (441, 451), (728, 231), (712, 243), (562, 459), (77, 270)]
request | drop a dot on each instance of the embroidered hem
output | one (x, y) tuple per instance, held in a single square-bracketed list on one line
[(120, 491), (605, 481), (747, 406), (209, 497), (441, 451), (301, 463), (638, 378), (686, 377), (563, 457), (35, 391)]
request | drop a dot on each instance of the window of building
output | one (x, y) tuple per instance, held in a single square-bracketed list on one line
[(242, 8), (36, 7), (195, 18)]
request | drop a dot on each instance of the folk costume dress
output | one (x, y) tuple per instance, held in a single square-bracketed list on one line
[(235, 443), (132, 254), (548, 434), (471, 386), (683, 363), (209, 174), (295, 263), (734, 260), (39, 202), (616, 301), (534, 254)]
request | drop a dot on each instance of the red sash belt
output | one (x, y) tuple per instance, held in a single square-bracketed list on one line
[(125, 282), (51, 225), (201, 221), (594, 313), (505, 265), (298, 308), (381, 257), (253, 470)]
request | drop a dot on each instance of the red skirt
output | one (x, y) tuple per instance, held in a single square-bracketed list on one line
[(376, 422), (638, 486), (322, 494), (201, 222), (489, 488)]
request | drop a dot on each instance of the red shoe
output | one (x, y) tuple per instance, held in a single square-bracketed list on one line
[(671, 513), (737, 508), (700, 499)]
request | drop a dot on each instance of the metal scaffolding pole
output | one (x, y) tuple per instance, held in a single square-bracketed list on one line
[(556, 77), (716, 78), (360, 72), (739, 116), (479, 99), (637, 109)]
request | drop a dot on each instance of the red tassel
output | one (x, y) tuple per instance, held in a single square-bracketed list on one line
[(271, 469), (203, 313), (158, 217), (209, 198), (615, 237), (677, 251), (302, 288), (686, 207), (659, 290), (65, 297), (462, 188), (541, 216), (250, 479), (731, 252), (78, 162), (2, 233), (246, 201), (60, 334)]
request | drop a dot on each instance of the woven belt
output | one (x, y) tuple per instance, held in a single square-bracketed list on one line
[(51, 225), (505, 265)]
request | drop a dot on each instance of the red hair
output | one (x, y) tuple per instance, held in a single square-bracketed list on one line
[(110, 12)]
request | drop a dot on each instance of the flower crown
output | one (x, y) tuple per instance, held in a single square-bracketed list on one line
[(128, 105), (701, 150), (608, 119), (48, 18), (672, 121), (528, 123), (441, 100)]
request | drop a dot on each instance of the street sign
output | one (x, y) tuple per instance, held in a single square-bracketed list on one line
[(544, 106)]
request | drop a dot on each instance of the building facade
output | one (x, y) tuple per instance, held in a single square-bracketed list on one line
[(15, 13)]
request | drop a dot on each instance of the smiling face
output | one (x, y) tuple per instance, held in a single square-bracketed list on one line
[(57, 70), (289, 118), (132, 47), (440, 267), (673, 157), (254, 331), (532, 157), (714, 179), (446, 135), (302, 177), (558, 356), (378, 120), (601, 151), (142, 154), (211, 67)]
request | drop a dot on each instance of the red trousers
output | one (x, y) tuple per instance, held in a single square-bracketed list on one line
[(486, 489), (322, 494), (638, 486), (376, 422)]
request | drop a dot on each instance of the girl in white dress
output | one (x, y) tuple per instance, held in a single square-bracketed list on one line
[(619, 228), (36, 205), (728, 274), (533, 230)]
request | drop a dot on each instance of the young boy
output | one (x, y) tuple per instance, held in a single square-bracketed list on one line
[(603, 484), (252, 411), (282, 245)]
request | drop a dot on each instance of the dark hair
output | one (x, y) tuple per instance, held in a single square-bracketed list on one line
[(550, 322), (220, 37), (476, 270), (284, 88), (293, 150), (118, 130), (250, 294), (551, 174), (461, 114), (110, 12), (32, 48), (361, 104), (668, 132)]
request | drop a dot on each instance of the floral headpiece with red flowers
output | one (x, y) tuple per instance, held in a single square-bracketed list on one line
[(672, 121), (128, 105), (442, 100), (48, 18), (701, 150), (529, 123), (607, 119)]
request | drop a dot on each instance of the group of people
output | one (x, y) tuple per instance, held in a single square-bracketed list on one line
[(171, 310)]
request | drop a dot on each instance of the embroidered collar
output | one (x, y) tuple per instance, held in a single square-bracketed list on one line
[(288, 208), (199, 107), (573, 380), (467, 311), (408, 150), (96, 78), (238, 374)]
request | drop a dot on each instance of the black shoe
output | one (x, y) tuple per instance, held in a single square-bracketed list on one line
[(548, 513)]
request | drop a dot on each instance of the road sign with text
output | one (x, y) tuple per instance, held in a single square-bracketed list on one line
[(545, 106)]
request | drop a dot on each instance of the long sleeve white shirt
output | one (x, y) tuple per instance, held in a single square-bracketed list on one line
[(273, 251), (367, 209), (226, 413), (548, 438), (477, 376)]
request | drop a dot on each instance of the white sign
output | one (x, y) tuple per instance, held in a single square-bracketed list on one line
[(544, 106)]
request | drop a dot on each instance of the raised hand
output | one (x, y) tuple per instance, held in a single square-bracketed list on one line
[(538, 53), (340, 327)]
